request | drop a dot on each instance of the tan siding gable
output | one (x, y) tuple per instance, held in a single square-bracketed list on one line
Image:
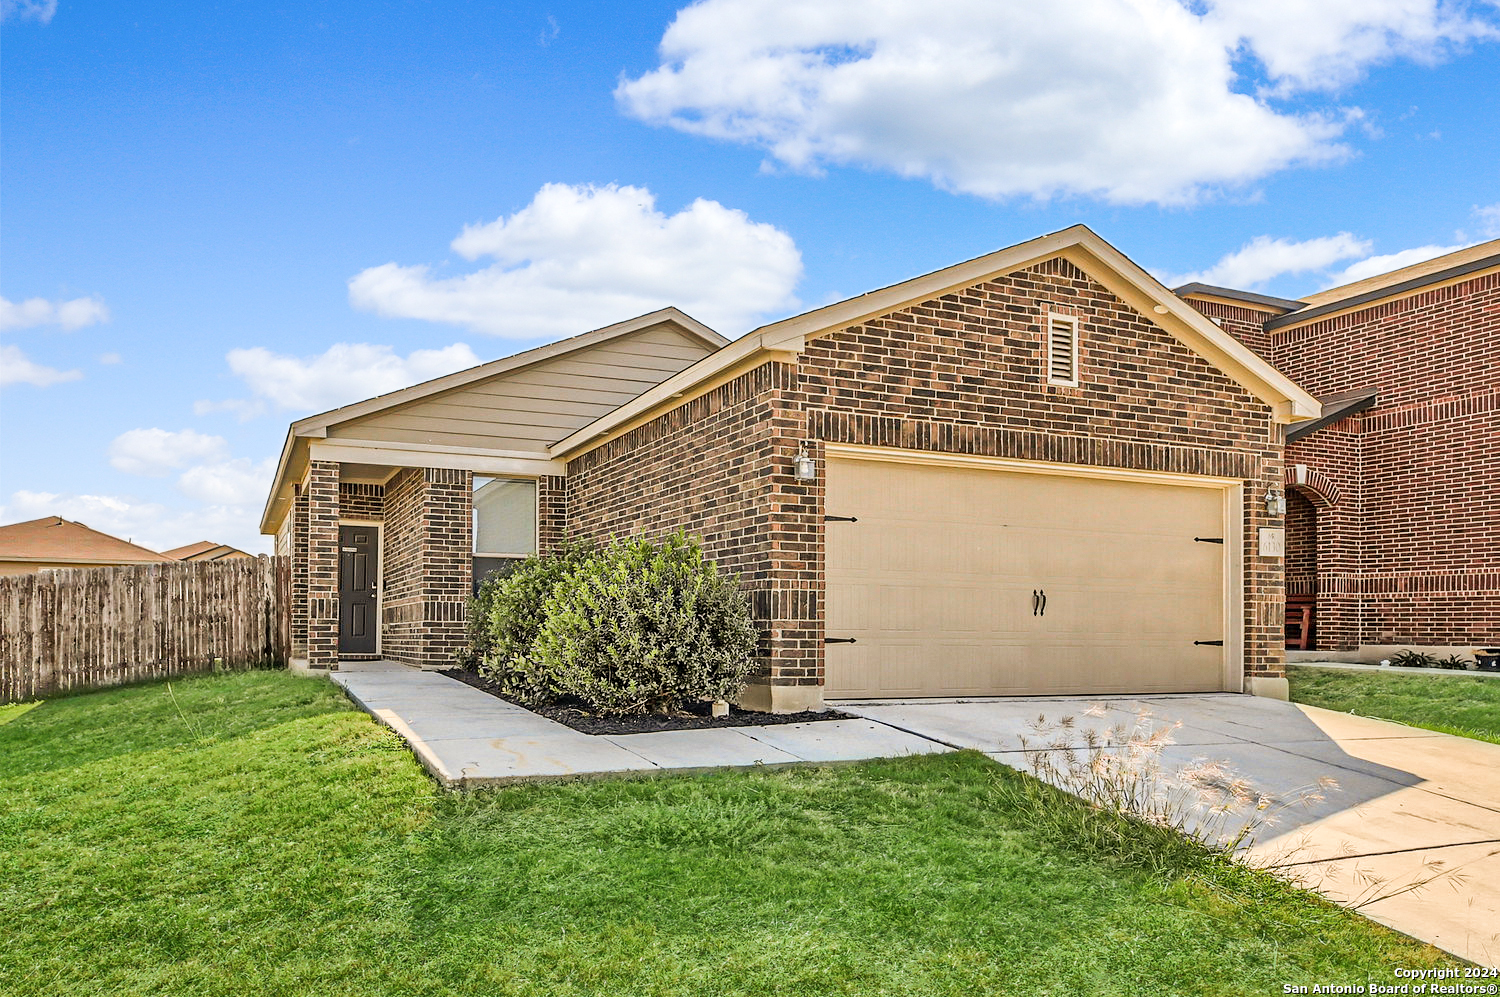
[(529, 408)]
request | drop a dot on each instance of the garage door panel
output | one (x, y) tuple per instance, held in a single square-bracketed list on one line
[(936, 579)]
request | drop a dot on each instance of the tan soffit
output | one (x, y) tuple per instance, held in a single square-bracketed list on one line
[(1078, 244)]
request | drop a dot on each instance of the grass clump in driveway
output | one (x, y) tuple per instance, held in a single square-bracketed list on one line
[(250, 834), (1466, 705)]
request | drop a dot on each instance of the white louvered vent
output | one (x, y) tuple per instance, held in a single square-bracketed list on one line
[(1062, 349)]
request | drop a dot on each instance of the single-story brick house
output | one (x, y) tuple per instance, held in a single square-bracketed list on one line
[(1393, 519), (1039, 471)]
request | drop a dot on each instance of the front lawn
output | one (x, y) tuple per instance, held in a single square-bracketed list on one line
[(1466, 705), (251, 834)]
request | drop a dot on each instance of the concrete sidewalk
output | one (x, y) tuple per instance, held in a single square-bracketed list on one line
[(467, 738), (1411, 805)]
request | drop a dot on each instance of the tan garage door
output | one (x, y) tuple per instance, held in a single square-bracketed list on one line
[(961, 582)]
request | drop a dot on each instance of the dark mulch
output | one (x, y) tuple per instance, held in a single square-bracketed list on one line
[(695, 717)]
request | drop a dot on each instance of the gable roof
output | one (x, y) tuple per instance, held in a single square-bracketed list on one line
[(325, 425), (54, 540), (1078, 244), (205, 550)]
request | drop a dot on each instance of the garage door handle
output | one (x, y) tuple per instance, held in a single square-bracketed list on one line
[(838, 640), (1208, 643), (1044, 602), (1036, 602)]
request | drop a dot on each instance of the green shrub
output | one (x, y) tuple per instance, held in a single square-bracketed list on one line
[(646, 626), (1413, 659), (505, 616), (1453, 661)]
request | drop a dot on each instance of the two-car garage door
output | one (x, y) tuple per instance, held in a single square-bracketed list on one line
[(963, 581)]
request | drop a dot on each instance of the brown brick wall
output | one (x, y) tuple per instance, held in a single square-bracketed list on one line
[(961, 373), (552, 512), (1417, 535), (707, 467), (428, 565), (322, 493), (359, 500), (1245, 324)]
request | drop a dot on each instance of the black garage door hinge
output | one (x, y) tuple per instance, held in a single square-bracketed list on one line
[(1209, 643), (1208, 540), (838, 640), (840, 519)]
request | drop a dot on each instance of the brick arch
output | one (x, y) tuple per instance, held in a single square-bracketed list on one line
[(1314, 484)]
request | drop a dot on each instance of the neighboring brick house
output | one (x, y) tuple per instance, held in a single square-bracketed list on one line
[(1393, 519), (1035, 472)]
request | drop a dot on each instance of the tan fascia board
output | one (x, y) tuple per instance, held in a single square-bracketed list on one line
[(276, 502), (418, 455), (1078, 244)]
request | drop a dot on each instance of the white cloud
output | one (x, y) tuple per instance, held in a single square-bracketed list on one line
[(17, 368), (150, 524), (72, 314), (1376, 265), (157, 452), (1325, 45), (111, 358), (1131, 101), (231, 482), (1264, 258), (1489, 220), (23, 10), (344, 373), (577, 258)]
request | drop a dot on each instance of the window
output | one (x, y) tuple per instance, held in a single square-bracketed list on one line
[(1062, 349), (504, 524)]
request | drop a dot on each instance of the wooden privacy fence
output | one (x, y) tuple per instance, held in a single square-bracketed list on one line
[(89, 627)]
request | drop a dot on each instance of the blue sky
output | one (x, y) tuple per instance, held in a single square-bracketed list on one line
[(218, 219)]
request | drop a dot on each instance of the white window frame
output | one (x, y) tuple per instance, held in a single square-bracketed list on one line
[(536, 514), (1070, 320)]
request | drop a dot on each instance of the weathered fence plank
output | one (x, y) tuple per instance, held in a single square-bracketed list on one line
[(93, 627)]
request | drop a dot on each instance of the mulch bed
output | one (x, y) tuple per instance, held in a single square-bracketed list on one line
[(695, 717)]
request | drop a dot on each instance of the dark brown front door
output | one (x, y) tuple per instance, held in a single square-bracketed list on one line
[(359, 576)]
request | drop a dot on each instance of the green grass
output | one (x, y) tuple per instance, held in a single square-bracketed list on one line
[(10, 711), (250, 834), (1466, 705)]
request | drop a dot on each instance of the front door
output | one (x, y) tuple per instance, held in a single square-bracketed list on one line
[(359, 578)]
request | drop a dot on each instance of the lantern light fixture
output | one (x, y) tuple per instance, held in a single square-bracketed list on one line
[(804, 468), (1275, 502)]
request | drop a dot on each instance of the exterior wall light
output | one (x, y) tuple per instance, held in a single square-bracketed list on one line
[(1275, 502), (804, 468)]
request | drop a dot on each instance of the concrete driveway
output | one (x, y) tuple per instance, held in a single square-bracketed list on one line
[(1410, 804)]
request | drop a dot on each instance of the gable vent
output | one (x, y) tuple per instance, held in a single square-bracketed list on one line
[(1062, 349)]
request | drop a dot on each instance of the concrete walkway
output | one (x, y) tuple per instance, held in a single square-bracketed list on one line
[(467, 738), (1410, 805)]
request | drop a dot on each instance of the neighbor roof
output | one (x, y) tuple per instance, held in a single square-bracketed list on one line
[(1484, 251), (1407, 280), (1078, 244), (1231, 294), (56, 540), (205, 550)]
